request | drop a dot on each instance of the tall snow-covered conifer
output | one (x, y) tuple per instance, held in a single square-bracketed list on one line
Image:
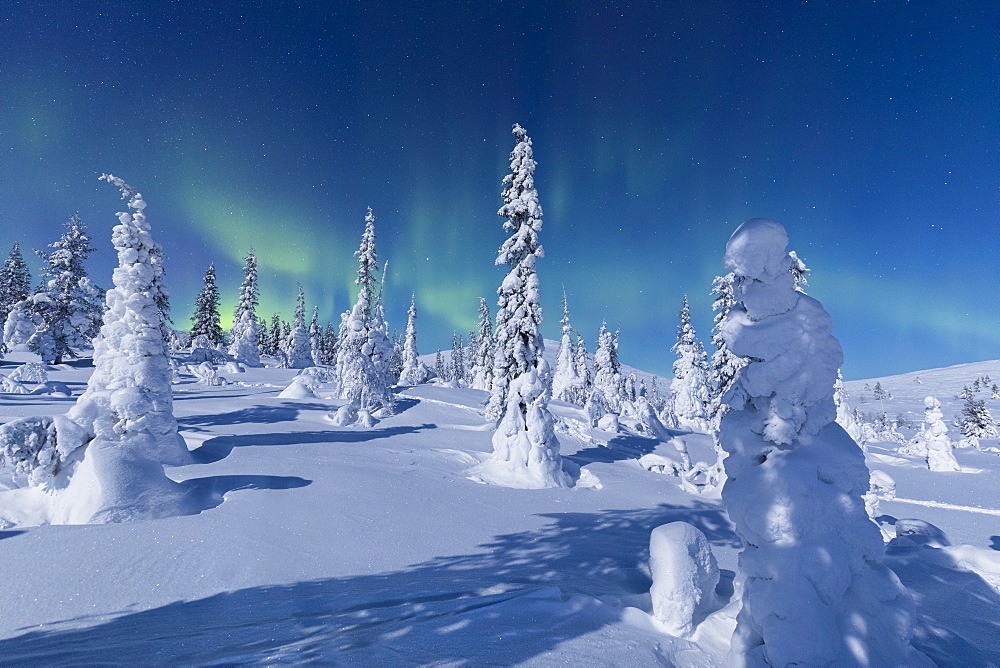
[(414, 371), (482, 361), (689, 388), (607, 370), (360, 380), (298, 352), (206, 311), (244, 337), (316, 337), (796, 482), (567, 385), (525, 450)]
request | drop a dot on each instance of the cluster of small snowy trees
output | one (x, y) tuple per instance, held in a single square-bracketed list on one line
[(62, 316)]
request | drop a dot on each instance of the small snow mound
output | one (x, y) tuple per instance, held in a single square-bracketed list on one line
[(54, 388), (234, 367), (588, 480), (609, 423), (30, 372), (660, 464), (301, 387), (685, 575), (919, 532)]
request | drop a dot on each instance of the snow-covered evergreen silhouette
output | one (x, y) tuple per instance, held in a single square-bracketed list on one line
[(414, 371), (482, 356), (67, 308), (244, 337), (689, 388), (206, 311), (15, 282), (525, 450), (607, 370), (360, 381), (316, 338), (796, 482), (298, 352), (567, 384), (932, 440)]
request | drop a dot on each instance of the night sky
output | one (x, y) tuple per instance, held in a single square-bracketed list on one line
[(869, 129)]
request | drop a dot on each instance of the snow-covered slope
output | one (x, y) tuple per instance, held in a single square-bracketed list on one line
[(324, 544)]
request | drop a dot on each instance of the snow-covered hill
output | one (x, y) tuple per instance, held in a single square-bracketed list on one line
[(324, 544)]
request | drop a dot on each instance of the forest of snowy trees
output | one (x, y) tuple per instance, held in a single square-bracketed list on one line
[(788, 447)]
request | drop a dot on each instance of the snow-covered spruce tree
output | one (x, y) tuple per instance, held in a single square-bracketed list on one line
[(796, 482), (525, 449), (382, 348), (976, 421), (206, 311), (244, 337), (582, 365), (689, 388), (725, 365), (298, 352), (414, 371), (105, 457), (482, 356), (274, 336), (359, 379), (457, 358), (607, 370), (932, 439), (316, 338), (329, 344), (440, 370), (67, 308), (15, 281), (567, 385)]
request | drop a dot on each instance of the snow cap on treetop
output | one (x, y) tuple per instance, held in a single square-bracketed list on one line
[(757, 247)]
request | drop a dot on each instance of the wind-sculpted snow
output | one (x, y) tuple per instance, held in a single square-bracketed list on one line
[(815, 589)]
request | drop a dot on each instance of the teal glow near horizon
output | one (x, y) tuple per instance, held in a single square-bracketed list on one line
[(865, 130)]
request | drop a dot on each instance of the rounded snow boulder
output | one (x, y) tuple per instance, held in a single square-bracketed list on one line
[(685, 575)]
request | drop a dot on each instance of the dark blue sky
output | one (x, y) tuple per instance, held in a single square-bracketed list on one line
[(869, 129)]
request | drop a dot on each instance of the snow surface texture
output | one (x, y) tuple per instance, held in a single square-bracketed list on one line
[(685, 575), (815, 591), (349, 546)]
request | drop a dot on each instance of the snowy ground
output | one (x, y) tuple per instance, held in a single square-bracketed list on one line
[(317, 543)]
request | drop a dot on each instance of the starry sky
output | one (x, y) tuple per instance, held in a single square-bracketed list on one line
[(869, 129)]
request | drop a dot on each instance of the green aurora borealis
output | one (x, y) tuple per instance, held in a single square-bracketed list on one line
[(869, 131)]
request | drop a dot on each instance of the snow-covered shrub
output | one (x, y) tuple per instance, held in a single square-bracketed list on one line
[(685, 575), (301, 387), (345, 416), (53, 387), (976, 421), (609, 422), (30, 372), (796, 481), (37, 447), (206, 374), (19, 327), (234, 367), (11, 386)]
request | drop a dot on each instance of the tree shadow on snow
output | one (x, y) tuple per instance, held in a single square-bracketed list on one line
[(215, 449), (958, 612), (209, 492), (259, 414), (995, 543), (517, 598), (617, 449), (9, 534)]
